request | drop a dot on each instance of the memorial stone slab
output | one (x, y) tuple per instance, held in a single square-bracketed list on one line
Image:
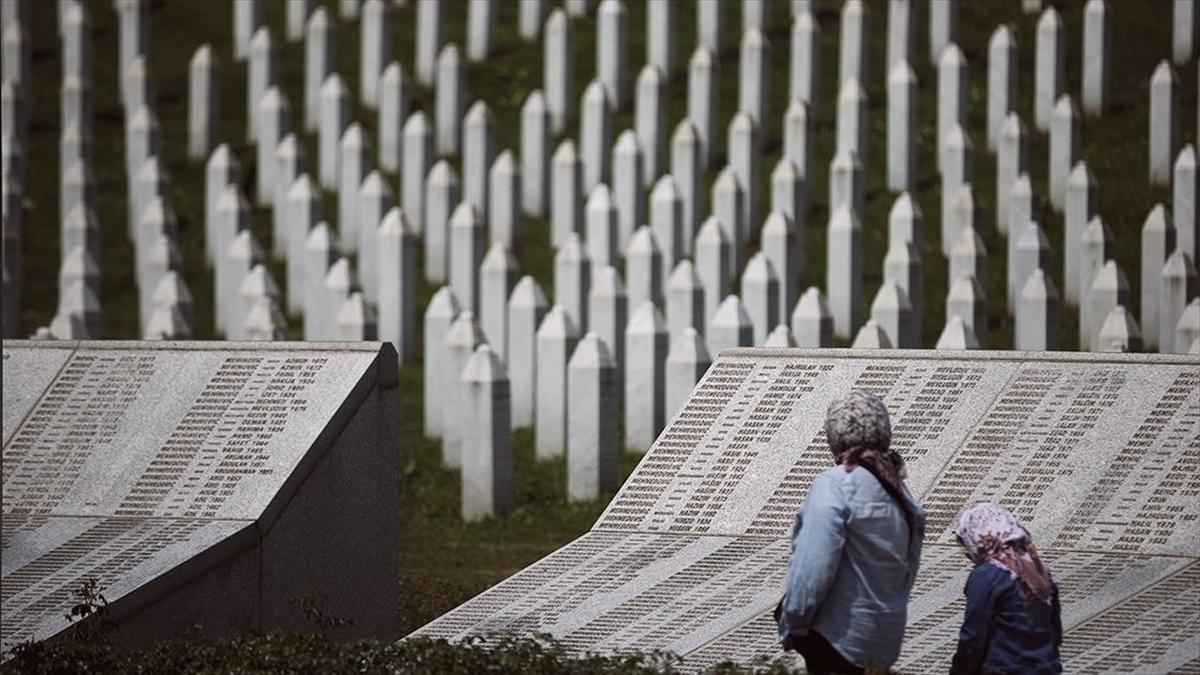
[(137, 501)]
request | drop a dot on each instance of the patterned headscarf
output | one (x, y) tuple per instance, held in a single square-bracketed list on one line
[(859, 432), (991, 534)]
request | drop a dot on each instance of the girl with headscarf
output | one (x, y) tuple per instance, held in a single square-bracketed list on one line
[(1013, 621), (856, 546)]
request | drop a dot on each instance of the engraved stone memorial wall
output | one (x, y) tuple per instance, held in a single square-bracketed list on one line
[(1098, 455), (183, 477)]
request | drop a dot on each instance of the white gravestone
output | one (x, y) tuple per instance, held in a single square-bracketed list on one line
[(646, 344), (713, 266), (442, 196), (572, 279), (460, 343), (902, 267), (608, 314), (844, 271), (1080, 204), (892, 311), (957, 173), (660, 35), (429, 39), (1177, 285), (967, 302), (318, 65), (702, 100), (612, 51), (812, 323), (650, 122), (760, 288), (804, 77), (1184, 24), (1119, 332), (685, 299), (1065, 148), (709, 27), (353, 166), (1097, 57), (479, 149), (504, 200), (556, 338), (375, 200), (393, 113), (320, 252), (418, 157), (566, 193), (558, 65), (448, 101), (952, 92), (529, 18), (666, 221), (1109, 289), (728, 198), (290, 162), (644, 268), (846, 182), (335, 117), (901, 127), (487, 490), (731, 326), (600, 228), (796, 146), (264, 74), (687, 362), (1036, 326), (203, 102), (1032, 252), (899, 32), (1157, 242), (274, 122), (375, 50), (535, 155), (1001, 83), (943, 27), (465, 254), (595, 135), (497, 275), (1049, 69), (247, 18), (397, 280), (753, 75), (852, 119), (852, 44), (780, 242), (745, 159), (302, 211), (481, 20), (527, 307), (629, 191), (592, 421), (1012, 159), (687, 171), (1183, 201), (296, 13)]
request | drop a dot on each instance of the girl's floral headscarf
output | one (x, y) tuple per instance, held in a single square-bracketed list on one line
[(991, 534), (859, 432)]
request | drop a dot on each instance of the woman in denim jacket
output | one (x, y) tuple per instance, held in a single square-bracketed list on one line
[(856, 546), (1013, 622)]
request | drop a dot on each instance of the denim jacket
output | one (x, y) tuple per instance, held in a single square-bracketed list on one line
[(853, 566), (1004, 633)]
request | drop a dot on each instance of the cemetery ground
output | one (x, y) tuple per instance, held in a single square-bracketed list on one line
[(445, 561)]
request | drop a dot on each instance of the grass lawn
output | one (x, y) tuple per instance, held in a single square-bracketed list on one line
[(445, 561)]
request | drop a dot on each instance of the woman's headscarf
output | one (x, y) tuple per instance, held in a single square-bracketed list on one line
[(991, 534), (859, 432)]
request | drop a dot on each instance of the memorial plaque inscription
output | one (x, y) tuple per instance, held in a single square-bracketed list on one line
[(1099, 454)]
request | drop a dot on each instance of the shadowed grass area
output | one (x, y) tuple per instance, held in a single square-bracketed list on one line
[(445, 561)]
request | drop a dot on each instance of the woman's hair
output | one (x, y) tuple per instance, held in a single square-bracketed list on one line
[(991, 534)]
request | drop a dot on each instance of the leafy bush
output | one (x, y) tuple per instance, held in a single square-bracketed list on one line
[(306, 653)]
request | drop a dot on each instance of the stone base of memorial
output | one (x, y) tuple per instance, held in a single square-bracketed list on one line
[(1096, 453), (208, 488)]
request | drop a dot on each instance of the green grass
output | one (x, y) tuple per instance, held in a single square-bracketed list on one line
[(444, 561)]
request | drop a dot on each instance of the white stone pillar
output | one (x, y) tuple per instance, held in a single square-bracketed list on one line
[(487, 484), (527, 307), (556, 339), (646, 345)]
